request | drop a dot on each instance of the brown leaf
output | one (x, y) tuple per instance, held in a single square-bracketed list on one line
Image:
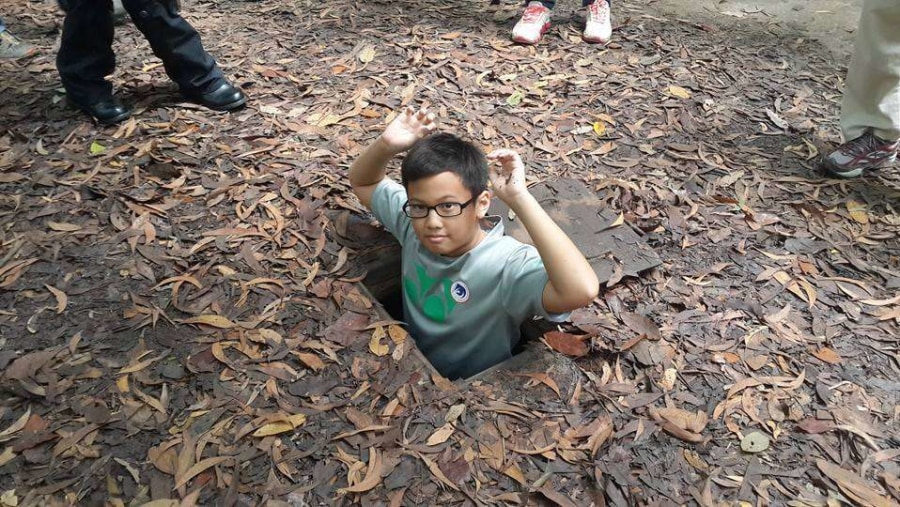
[(691, 421), (66, 443), (858, 212), (63, 226), (283, 426), (566, 343), (679, 92), (211, 320), (854, 486), (556, 497), (881, 302), (373, 475), (16, 426), (6, 456), (828, 355), (545, 379), (199, 467), (397, 333), (600, 435), (641, 325), (515, 473), (441, 435), (312, 361), (61, 299), (27, 365), (437, 472), (375, 345), (164, 457)]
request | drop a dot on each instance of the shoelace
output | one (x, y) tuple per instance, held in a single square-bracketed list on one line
[(596, 12), (533, 13)]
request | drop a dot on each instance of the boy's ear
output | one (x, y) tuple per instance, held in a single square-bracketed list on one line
[(483, 203)]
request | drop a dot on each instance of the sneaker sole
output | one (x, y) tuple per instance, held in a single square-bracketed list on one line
[(596, 41), (856, 173), (522, 40)]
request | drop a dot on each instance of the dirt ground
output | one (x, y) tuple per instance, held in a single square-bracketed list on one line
[(181, 321), (832, 23)]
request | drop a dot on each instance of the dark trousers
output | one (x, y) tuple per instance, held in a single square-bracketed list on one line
[(86, 56)]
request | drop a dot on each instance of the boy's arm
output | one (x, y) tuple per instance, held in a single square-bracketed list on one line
[(368, 170), (572, 282)]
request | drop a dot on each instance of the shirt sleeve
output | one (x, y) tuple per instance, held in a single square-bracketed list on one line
[(387, 206), (522, 286)]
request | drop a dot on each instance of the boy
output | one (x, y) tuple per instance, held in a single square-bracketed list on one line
[(536, 20), (466, 290)]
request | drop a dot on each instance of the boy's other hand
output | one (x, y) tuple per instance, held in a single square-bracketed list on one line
[(507, 175), (407, 128)]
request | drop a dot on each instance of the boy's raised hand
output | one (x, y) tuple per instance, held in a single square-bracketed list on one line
[(407, 128), (507, 175)]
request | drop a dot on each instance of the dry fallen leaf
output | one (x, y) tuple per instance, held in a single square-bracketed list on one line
[(16, 426), (373, 474), (61, 299), (854, 486), (679, 92), (441, 435), (828, 355), (755, 442), (63, 226), (858, 212), (566, 343), (366, 54), (211, 320), (545, 379), (283, 426), (375, 345)]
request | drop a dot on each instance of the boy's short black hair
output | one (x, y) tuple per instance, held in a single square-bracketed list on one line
[(444, 152)]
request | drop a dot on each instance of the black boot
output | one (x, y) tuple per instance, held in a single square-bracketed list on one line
[(106, 111), (224, 97)]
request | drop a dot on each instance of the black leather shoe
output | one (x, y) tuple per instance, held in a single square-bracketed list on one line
[(106, 111), (224, 98)]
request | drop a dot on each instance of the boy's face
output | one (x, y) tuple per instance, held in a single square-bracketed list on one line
[(449, 236)]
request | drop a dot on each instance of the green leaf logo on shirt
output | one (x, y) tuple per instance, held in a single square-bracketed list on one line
[(436, 306)]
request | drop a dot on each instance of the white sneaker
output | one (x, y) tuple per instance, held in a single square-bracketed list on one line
[(598, 27), (535, 21), (12, 47)]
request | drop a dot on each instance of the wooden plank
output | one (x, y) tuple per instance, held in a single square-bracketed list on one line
[(585, 219)]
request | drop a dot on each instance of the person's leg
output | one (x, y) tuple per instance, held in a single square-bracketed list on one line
[(870, 112), (872, 92), (85, 55), (178, 45), (597, 22)]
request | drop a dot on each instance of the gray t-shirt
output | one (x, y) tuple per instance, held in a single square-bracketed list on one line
[(464, 312)]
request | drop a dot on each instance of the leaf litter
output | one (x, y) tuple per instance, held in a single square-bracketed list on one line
[(181, 326)]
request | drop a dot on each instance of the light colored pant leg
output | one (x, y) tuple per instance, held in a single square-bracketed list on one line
[(872, 92)]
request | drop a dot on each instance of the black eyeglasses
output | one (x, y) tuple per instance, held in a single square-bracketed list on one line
[(444, 209)]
